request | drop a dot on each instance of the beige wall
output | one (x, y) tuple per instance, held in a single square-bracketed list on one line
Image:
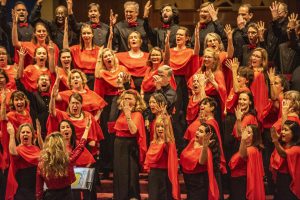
[(48, 9)]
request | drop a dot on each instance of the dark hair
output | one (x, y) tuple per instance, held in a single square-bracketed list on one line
[(284, 82), (73, 135), (295, 128), (65, 50), (249, 6), (159, 98), (175, 12), (17, 94), (149, 62), (252, 110), (256, 138), (34, 40), (18, 3), (2, 71), (211, 102), (213, 146), (76, 96), (7, 54), (247, 73)]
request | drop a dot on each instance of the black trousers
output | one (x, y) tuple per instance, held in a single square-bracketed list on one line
[(282, 190), (196, 185), (59, 194), (238, 188), (126, 169), (159, 185), (26, 184)]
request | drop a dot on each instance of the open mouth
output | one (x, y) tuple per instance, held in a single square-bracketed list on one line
[(25, 138)]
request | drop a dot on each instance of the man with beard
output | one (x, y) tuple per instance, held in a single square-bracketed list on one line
[(131, 23), (169, 18), (25, 30), (209, 23), (39, 101), (277, 32), (240, 36), (100, 30), (55, 27)]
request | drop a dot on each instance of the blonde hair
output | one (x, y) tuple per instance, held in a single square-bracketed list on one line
[(215, 36), (100, 65), (216, 58), (140, 104), (264, 57), (294, 97), (168, 129), (82, 75), (54, 158)]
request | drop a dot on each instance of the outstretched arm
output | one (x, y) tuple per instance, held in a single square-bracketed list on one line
[(66, 34), (14, 32), (166, 60), (54, 94), (12, 141), (197, 42), (22, 53)]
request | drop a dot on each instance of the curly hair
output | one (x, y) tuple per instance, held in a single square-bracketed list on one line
[(140, 105), (214, 36), (213, 146), (20, 129), (54, 158), (101, 66), (82, 75), (175, 12)]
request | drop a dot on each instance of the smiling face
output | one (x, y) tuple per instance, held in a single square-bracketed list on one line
[(204, 15), (66, 60), (44, 83), (40, 33), (256, 59), (167, 14), (155, 57), (66, 130), (3, 58), (286, 134), (26, 136), (75, 106), (60, 14), (244, 102), (22, 13), (41, 56), (134, 40), (94, 14), (76, 81), (208, 59), (131, 13), (153, 105), (87, 34)]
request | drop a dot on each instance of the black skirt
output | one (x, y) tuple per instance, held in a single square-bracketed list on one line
[(26, 184), (159, 185), (59, 194), (196, 185)]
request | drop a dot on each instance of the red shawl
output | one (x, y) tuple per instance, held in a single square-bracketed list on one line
[(260, 93), (154, 154), (189, 160), (85, 60), (95, 133), (91, 101), (63, 85), (27, 157), (11, 73), (247, 119), (30, 77), (293, 160), (135, 66), (30, 47), (192, 110), (226, 71), (85, 157), (254, 174), (122, 126), (106, 84), (148, 84), (191, 132), (184, 62)]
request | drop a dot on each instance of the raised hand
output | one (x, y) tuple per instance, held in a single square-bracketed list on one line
[(274, 135), (206, 139), (157, 81), (15, 16), (274, 10), (293, 18), (261, 30), (147, 9), (228, 30), (10, 129), (70, 6), (22, 52), (232, 64), (238, 113), (39, 2), (112, 18), (271, 74), (246, 134), (126, 109), (213, 12), (38, 128), (167, 39)]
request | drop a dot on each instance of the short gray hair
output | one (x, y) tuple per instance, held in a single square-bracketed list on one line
[(135, 4), (165, 68)]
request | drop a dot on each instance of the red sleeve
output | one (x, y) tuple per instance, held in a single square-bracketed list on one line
[(173, 170), (77, 151), (99, 87), (219, 77), (53, 121), (255, 175), (139, 122), (293, 160), (39, 189), (191, 130), (5, 144)]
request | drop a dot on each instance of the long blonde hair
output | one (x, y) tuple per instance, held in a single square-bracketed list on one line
[(100, 65), (168, 129), (54, 158)]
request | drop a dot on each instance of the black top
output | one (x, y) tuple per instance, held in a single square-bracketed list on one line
[(240, 38), (121, 33), (157, 35), (39, 106), (56, 32), (101, 30)]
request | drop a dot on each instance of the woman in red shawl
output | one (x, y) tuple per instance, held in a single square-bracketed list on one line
[(24, 160), (130, 146), (40, 38), (111, 79), (9, 69), (246, 166), (135, 60), (92, 102), (161, 160), (84, 54), (200, 163), (285, 161), (43, 63), (64, 67), (290, 109)]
